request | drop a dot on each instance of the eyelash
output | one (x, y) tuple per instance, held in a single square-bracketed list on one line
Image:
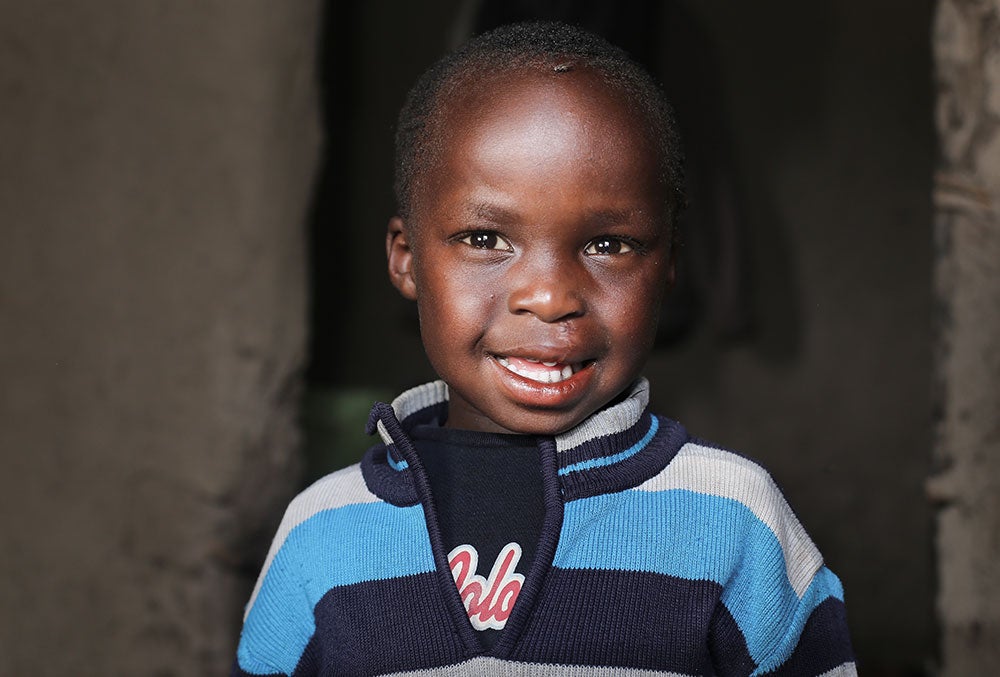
[(484, 236), (488, 240), (625, 245)]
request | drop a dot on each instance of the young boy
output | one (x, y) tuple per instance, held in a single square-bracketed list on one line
[(527, 515)]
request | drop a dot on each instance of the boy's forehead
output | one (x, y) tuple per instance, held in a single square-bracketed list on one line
[(576, 115), (583, 92), (525, 134)]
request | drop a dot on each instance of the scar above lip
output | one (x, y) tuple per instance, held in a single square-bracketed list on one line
[(566, 328)]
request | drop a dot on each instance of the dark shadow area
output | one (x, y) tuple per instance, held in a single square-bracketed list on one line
[(333, 267)]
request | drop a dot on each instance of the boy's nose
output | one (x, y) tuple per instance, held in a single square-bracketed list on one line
[(551, 294)]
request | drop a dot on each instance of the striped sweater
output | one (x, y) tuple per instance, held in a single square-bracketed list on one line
[(659, 555)]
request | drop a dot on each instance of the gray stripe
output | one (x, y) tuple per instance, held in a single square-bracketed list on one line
[(845, 670), (414, 400), (612, 420), (344, 487), (500, 668), (716, 472), (418, 398)]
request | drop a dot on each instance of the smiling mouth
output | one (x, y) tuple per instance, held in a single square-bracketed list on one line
[(538, 371)]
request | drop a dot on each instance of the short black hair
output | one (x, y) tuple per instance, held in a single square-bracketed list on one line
[(549, 46)]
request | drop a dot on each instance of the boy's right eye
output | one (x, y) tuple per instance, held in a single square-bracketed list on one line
[(486, 239)]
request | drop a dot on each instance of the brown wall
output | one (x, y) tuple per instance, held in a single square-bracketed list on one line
[(155, 166), (966, 485)]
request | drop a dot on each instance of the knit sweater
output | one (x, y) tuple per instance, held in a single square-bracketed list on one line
[(659, 555)]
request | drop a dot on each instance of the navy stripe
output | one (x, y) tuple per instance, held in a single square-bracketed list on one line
[(385, 482), (339, 547), (382, 627), (825, 642), (728, 646), (694, 536), (601, 447), (627, 472), (434, 414), (601, 461), (628, 619), (235, 671)]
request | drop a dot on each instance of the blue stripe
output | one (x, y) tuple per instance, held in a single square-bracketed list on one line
[(352, 544), (824, 586), (396, 465), (620, 456), (696, 537)]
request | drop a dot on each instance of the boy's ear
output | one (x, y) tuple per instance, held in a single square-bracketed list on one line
[(400, 256)]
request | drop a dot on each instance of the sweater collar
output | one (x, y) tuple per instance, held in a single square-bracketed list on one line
[(603, 453)]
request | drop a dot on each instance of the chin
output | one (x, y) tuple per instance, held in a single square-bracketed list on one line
[(545, 423)]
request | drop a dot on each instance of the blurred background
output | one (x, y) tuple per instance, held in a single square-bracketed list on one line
[(195, 316)]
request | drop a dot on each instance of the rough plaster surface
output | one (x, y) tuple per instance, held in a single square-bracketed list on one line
[(155, 172), (967, 198)]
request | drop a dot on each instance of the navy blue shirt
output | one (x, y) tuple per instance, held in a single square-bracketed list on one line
[(487, 493)]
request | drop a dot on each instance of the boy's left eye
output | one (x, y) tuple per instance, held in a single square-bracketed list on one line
[(607, 245)]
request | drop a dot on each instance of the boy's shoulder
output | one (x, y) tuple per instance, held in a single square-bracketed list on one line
[(338, 509), (710, 468), (337, 489), (342, 488), (736, 485)]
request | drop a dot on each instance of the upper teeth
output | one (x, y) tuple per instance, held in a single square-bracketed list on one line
[(541, 375)]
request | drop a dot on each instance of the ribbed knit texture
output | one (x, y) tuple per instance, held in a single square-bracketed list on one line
[(659, 555)]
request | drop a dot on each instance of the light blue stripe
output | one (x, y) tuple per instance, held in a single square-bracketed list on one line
[(695, 537), (824, 586), (396, 465), (352, 544), (620, 456), (677, 533)]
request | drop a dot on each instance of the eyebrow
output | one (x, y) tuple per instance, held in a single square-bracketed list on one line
[(614, 217), (496, 213), (490, 211)]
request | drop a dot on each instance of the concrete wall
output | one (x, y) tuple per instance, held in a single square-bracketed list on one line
[(967, 284), (155, 168)]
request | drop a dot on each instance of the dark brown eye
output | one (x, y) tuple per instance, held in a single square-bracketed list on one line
[(485, 239), (606, 246)]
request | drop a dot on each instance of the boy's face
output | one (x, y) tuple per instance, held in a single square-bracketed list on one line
[(537, 252)]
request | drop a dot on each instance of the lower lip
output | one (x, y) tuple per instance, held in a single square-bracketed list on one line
[(532, 393)]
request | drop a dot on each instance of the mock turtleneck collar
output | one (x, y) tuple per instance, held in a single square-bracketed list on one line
[(609, 451)]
